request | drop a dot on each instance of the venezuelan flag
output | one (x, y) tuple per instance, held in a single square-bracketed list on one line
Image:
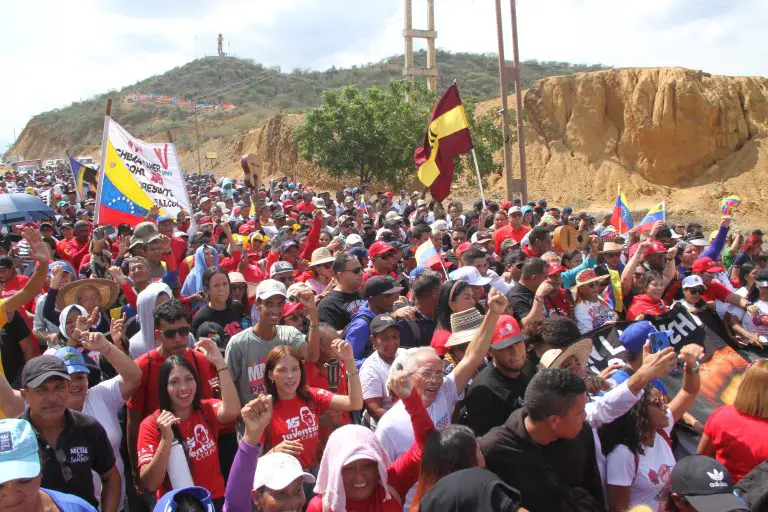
[(656, 213), (728, 203), (426, 254), (84, 177), (622, 217), (122, 200)]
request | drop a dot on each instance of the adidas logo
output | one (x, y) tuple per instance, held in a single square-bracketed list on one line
[(717, 476)]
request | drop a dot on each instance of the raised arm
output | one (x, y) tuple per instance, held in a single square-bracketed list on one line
[(312, 353), (11, 402), (230, 406), (481, 342), (41, 253), (353, 401), (128, 373), (717, 245), (691, 355), (152, 472), (629, 269)]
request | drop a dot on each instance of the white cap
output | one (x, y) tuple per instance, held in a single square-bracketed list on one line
[(693, 282), (269, 288), (514, 209), (354, 238), (440, 224), (276, 471), (470, 275), (761, 284), (393, 215), (381, 232)]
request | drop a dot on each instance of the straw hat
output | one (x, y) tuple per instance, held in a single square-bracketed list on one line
[(237, 278), (321, 256), (554, 358), (587, 276), (464, 326), (106, 287), (611, 247)]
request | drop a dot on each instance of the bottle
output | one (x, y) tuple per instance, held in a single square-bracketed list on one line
[(178, 468)]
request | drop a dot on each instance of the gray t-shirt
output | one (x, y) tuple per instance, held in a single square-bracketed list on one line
[(246, 357)]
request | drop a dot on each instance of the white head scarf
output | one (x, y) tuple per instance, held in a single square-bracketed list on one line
[(65, 313), (144, 340)]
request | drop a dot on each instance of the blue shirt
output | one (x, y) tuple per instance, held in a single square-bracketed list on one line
[(622, 375), (69, 502)]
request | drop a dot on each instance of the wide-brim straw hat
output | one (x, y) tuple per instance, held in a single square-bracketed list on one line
[(107, 289), (611, 247), (554, 358), (237, 278), (587, 276), (464, 326), (321, 256)]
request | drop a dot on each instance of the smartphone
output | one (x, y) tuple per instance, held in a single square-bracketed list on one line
[(98, 233), (659, 341)]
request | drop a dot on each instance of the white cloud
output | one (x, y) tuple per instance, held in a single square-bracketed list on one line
[(58, 52)]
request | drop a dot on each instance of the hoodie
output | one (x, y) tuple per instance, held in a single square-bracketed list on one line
[(144, 340), (194, 281), (358, 333), (470, 489)]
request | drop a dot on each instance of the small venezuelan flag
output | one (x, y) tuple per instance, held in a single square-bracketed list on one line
[(654, 214), (729, 203)]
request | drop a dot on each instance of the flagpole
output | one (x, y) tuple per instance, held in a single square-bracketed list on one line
[(620, 212), (664, 210), (479, 180), (104, 142)]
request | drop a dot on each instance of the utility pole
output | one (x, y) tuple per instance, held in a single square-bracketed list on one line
[(510, 184), (197, 135), (430, 35), (519, 97)]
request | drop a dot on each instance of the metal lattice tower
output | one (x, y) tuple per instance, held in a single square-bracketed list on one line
[(430, 34)]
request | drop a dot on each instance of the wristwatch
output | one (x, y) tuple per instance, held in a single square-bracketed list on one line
[(695, 369)]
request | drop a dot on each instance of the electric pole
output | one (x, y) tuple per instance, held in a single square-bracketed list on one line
[(519, 97), (510, 185), (409, 69)]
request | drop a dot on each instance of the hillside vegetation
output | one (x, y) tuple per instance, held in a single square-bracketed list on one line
[(257, 91)]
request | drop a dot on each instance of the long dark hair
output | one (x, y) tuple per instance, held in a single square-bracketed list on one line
[(208, 275), (164, 376), (446, 451), (276, 355), (630, 428), (448, 293), (753, 293)]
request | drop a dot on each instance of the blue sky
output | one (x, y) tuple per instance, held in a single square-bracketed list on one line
[(67, 51)]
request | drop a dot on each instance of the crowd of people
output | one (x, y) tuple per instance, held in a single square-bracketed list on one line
[(281, 349)]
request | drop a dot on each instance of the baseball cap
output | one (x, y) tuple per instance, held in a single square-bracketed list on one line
[(653, 248), (706, 485), (276, 471), (635, 335), (280, 267), (73, 360), (514, 209), (354, 238), (706, 264), (164, 218), (41, 368), (470, 275), (695, 281), (554, 268), (290, 308), (507, 333), (379, 285), (380, 323), (6, 262), (358, 252), (168, 502), (19, 451), (269, 288), (378, 248), (462, 247)]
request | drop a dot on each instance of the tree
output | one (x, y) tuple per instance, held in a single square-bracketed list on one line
[(369, 135)]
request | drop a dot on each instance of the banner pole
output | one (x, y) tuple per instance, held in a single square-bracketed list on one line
[(104, 142), (479, 180)]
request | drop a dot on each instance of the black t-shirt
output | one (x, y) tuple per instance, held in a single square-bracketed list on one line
[(521, 300), (11, 335), (491, 398), (82, 446), (337, 308), (224, 317)]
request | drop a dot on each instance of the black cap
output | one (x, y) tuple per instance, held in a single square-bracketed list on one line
[(381, 322), (41, 368), (706, 485), (379, 285), (278, 215), (568, 209), (542, 202), (6, 262)]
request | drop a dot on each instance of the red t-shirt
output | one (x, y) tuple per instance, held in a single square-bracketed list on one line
[(305, 207), (145, 398), (644, 305), (439, 339), (740, 440), (16, 283), (178, 248), (558, 305), (200, 432), (716, 290), (296, 420), (506, 233), (371, 272)]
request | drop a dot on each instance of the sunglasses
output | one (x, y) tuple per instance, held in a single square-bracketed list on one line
[(660, 401), (695, 291), (387, 255), (171, 333), (61, 458), (519, 266), (357, 270)]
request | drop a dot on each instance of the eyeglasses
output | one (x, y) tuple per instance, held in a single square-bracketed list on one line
[(61, 458), (519, 266), (660, 401), (429, 376), (356, 270), (171, 333), (694, 291)]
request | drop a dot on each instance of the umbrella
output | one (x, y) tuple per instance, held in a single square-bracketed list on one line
[(22, 208)]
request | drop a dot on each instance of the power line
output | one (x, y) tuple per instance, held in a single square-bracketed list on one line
[(224, 90)]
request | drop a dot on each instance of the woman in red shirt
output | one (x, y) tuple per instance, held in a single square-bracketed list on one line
[(194, 422), (649, 302), (737, 435), (356, 474), (295, 428), (455, 296)]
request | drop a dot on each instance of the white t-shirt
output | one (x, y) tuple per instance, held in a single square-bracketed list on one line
[(103, 402), (591, 315), (373, 378), (395, 431), (758, 324), (649, 483)]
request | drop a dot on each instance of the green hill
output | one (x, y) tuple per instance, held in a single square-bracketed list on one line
[(257, 91)]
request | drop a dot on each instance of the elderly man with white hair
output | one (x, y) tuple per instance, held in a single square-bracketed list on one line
[(438, 392)]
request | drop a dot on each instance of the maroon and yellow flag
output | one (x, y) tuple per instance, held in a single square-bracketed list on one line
[(447, 137)]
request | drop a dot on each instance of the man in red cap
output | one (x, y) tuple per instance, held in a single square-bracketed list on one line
[(514, 230), (384, 260), (499, 388), (706, 268)]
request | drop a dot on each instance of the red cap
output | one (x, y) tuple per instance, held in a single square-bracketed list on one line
[(390, 195), (506, 205), (507, 333), (706, 264), (653, 248), (205, 220), (554, 268), (287, 203), (378, 248), (461, 248), (290, 308)]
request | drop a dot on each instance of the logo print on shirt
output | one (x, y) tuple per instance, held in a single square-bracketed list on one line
[(307, 417), (200, 445), (292, 423)]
